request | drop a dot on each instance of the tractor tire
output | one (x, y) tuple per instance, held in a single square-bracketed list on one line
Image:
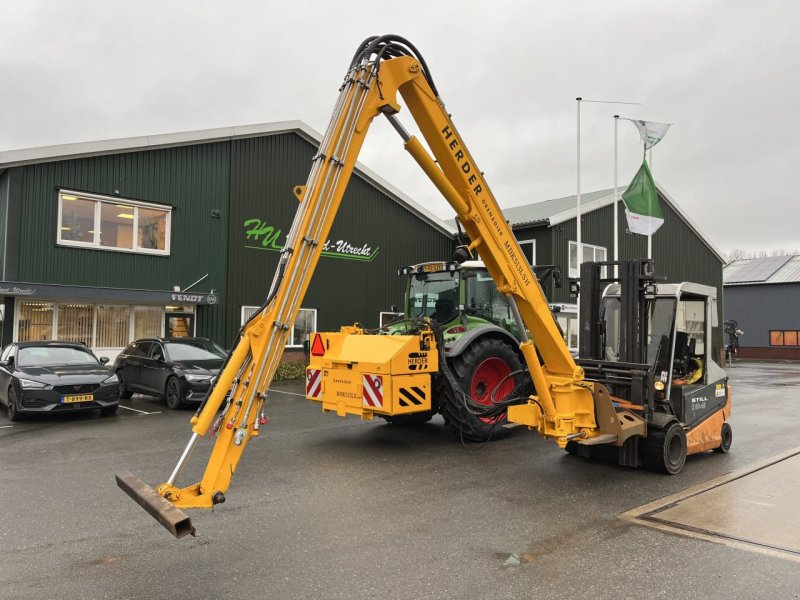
[(726, 439), (664, 450), (478, 370)]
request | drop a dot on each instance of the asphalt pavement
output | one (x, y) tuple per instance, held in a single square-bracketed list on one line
[(330, 507)]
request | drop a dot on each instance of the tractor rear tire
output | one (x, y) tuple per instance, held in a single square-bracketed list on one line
[(664, 450), (726, 439), (478, 370)]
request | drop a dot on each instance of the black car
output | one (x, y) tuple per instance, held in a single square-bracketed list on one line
[(51, 377), (179, 370)]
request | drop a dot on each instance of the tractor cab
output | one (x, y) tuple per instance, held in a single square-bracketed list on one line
[(458, 296)]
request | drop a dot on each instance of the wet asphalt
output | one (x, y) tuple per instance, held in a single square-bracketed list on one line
[(325, 507)]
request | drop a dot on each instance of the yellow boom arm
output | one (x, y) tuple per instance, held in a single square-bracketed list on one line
[(564, 405)]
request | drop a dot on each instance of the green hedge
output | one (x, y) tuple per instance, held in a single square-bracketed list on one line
[(289, 370)]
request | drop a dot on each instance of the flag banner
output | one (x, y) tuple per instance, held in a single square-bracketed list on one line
[(641, 203), (651, 132)]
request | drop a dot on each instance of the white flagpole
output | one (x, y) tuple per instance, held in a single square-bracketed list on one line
[(578, 194), (616, 200), (650, 235)]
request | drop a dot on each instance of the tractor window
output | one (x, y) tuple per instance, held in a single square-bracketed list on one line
[(434, 295), (483, 299)]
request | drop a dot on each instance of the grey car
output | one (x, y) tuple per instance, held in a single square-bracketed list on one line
[(179, 369), (55, 377)]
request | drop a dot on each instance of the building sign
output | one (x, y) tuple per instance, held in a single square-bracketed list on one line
[(77, 292), (259, 235)]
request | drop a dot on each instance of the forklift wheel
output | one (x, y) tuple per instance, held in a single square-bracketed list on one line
[(726, 440), (664, 450)]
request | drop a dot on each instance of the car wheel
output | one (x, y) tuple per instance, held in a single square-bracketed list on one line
[(13, 411), (173, 393), (124, 392), (108, 410)]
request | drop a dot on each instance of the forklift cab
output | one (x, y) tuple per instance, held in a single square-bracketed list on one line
[(676, 343)]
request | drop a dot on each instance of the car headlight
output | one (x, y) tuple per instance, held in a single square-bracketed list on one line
[(195, 378), (33, 385), (110, 380)]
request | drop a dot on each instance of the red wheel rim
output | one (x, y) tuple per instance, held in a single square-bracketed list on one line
[(486, 378)]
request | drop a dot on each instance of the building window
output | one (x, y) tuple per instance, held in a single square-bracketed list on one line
[(304, 325), (35, 321), (97, 326), (528, 248), (75, 323), (789, 337), (147, 321), (113, 326), (590, 254), (106, 223)]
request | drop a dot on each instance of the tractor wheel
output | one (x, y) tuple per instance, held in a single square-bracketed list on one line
[(726, 439), (664, 450), (479, 369)]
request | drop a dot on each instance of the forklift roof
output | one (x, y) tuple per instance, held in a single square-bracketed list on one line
[(671, 289)]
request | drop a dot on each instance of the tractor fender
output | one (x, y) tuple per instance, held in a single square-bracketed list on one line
[(462, 343)]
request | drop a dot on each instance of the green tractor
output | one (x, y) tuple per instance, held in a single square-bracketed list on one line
[(479, 336)]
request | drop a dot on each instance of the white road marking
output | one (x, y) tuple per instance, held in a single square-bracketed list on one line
[(290, 393), (140, 411), (5, 426)]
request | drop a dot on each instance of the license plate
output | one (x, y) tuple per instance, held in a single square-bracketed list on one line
[(433, 268), (77, 398)]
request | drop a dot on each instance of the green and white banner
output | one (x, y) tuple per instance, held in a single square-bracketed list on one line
[(641, 203), (651, 132)]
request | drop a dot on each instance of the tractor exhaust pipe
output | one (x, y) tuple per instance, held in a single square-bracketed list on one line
[(174, 519)]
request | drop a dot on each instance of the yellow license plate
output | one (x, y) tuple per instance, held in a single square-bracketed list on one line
[(77, 398), (433, 268)]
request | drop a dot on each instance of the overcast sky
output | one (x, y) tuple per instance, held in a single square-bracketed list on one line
[(726, 73)]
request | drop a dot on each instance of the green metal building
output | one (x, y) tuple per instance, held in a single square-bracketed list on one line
[(178, 234)]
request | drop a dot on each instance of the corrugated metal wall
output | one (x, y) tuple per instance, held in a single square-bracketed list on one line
[(191, 179), (757, 309), (263, 172)]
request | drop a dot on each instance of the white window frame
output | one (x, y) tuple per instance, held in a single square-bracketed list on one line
[(99, 199), (575, 272), (532, 242), (291, 342)]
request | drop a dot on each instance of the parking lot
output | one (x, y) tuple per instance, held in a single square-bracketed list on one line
[(324, 507)]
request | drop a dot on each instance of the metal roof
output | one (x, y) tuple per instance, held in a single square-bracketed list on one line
[(766, 270), (558, 210), (26, 156)]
